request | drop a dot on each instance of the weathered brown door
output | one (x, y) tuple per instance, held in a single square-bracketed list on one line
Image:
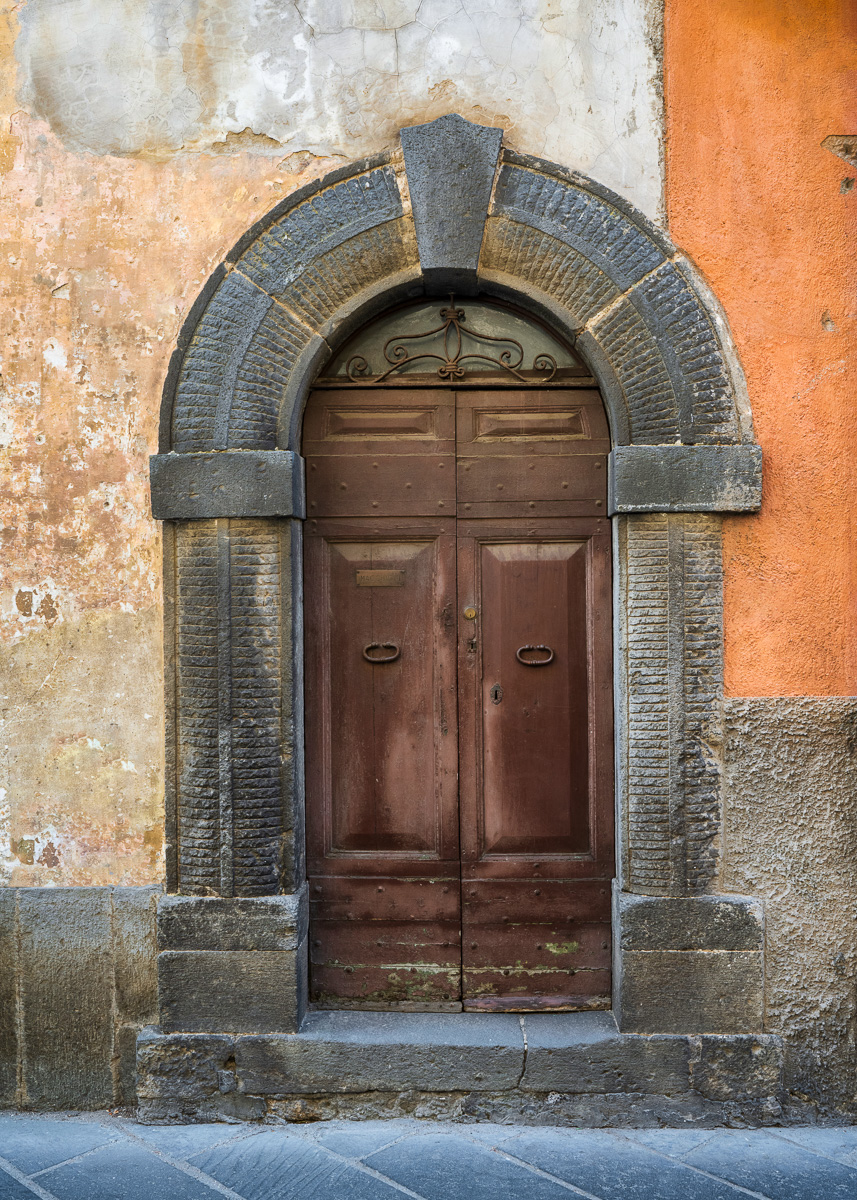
[(459, 736)]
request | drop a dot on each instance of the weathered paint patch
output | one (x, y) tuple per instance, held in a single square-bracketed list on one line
[(562, 947), (578, 83), (81, 753)]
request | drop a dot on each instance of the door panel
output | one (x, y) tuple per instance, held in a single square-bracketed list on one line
[(540, 454), (535, 763), (534, 728), (380, 453), (382, 803)]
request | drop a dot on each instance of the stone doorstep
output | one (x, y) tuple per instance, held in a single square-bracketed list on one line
[(355, 1053)]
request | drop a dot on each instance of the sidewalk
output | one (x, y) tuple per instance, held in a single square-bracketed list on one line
[(100, 1157)]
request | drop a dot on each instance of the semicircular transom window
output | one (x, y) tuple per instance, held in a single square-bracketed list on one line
[(430, 342)]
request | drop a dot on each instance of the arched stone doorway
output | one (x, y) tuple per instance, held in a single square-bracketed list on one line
[(455, 212), (458, 657)]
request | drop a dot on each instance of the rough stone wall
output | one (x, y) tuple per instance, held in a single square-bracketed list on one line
[(790, 838), (78, 980), (138, 140)]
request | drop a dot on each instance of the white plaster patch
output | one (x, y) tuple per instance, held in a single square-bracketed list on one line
[(577, 83), (53, 352), (7, 858)]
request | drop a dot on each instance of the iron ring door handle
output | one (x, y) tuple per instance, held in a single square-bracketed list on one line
[(387, 658), (534, 662)]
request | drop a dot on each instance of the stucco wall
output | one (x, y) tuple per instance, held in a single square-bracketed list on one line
[(139, 140), (769, 215)]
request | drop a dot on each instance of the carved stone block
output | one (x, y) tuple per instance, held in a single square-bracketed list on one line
[(450, 165)]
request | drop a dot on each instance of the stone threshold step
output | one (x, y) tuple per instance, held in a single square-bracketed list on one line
[(339, 1053)]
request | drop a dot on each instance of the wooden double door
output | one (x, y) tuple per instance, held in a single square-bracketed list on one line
[(458, 698)]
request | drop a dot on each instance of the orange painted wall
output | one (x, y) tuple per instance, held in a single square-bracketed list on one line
[(752, 89)]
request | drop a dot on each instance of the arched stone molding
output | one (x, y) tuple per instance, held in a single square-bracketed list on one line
[(338, 251), (455, 211)]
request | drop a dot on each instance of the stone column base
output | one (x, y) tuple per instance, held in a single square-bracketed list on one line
[(232, 965), (691, 965)]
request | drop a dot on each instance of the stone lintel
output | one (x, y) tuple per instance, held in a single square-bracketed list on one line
[(227, 483), (685, 479), (450, 164)]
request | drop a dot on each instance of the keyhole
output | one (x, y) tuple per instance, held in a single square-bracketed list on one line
[(496, 694)]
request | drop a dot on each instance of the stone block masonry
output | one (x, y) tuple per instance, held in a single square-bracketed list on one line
[(555, 1068), (232, 964), (77, 982)]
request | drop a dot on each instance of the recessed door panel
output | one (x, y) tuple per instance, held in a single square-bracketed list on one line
[(535, 764), (535, 770), (382, 597)]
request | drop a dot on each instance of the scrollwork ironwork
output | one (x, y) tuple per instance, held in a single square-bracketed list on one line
[(455, 352)]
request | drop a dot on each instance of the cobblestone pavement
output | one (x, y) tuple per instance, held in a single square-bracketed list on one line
[(101, 1157)]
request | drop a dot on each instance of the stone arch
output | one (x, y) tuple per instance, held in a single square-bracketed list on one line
[(454, 212), (337, 251)]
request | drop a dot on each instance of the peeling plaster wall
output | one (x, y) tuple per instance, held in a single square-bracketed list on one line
[(577, 83), (138, 140)]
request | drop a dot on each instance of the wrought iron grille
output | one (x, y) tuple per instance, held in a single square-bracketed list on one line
[(451, 344), (460, 343)]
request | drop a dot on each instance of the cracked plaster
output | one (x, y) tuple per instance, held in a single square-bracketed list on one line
[(578, 84)]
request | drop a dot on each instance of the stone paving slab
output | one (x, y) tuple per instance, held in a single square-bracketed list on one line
[(99, 1156), (615, 1168), (784, 1170)]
